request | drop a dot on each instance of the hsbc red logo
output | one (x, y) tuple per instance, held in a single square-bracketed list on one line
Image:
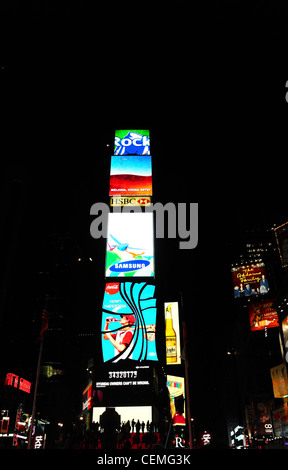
[(143, 201), (112, 288)]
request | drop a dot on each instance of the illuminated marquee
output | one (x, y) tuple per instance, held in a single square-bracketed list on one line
[(18, 382)]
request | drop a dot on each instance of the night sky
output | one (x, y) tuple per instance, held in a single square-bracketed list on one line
[(211, 89)]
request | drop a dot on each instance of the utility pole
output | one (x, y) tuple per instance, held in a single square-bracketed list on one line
[(35, 395), (186, 364), (44, 328)]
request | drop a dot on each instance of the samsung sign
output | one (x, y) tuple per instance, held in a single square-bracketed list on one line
[(128, 267)]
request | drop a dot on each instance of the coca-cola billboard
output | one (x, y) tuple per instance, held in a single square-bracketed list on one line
[(128, 327)]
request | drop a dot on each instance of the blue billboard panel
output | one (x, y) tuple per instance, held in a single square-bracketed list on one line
[(128, 326), (132, 142)]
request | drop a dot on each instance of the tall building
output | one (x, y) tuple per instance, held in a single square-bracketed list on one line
[(254, 348)]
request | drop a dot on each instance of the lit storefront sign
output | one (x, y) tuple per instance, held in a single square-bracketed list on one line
[(18, 382), (206, 438)]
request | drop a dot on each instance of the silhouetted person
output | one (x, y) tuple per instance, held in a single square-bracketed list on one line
[(110, 422)]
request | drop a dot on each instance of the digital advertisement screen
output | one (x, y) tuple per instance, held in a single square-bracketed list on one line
[(130, 245), (128, 328), (176, 389), (250, 280), (87, 398), (172, 333), (262, 315), (281, 234), (124, 374), (130, 175), (280, 381), (127, 413), (285, 336), (132, 142)]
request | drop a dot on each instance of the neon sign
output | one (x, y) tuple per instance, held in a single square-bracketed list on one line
[(18, 382)]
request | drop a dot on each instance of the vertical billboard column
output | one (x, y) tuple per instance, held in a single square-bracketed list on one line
[(129, 309)]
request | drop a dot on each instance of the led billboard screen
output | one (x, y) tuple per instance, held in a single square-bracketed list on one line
[(130, 175), (172, 333), (18, 382), (250, 280), (176, 389), (130, 245), (280, 381), (117, 375), (132, 142), (285, 336), (127, 413), (281, 234), (128, 326), (262, 315)]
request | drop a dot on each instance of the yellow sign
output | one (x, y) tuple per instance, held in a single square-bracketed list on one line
[(120, 201)]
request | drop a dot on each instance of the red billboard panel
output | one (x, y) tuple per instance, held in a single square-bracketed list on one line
[(18, 382), (250, 280), (262, 315)]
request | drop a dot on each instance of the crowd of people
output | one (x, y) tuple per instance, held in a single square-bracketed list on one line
[(125, 435)]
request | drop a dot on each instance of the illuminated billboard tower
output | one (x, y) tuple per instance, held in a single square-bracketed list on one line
[(126, 376)]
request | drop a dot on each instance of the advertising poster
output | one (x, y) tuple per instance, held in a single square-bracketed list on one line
[(128, 328), (285, 337), (263, 410), (280, 381), (281, 234), (130, 175), (172, 333), (132, 142), (262, 315), (176, 389), (130, 245), (87, 398), (250, 280)]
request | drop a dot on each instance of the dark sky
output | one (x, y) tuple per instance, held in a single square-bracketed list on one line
[(210, 85)]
